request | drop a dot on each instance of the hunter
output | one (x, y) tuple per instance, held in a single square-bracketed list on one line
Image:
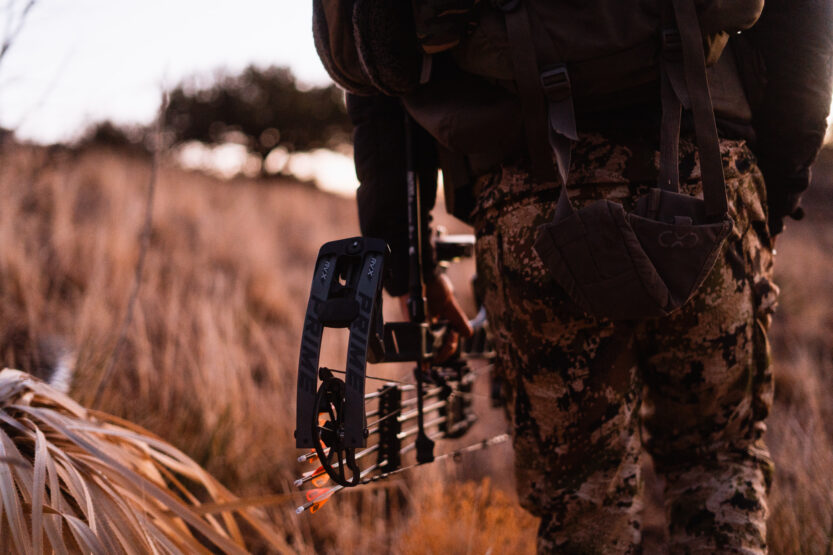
[(626, 166)]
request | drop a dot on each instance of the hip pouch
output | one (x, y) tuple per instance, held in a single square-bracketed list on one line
[(628, 266)]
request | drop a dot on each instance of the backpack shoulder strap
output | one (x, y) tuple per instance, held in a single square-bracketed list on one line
[(528, 81), (705, 128)]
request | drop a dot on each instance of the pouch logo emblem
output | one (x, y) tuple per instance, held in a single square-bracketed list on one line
[(671, 239)]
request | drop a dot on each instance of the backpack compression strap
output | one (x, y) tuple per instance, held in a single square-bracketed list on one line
[(527, 79)]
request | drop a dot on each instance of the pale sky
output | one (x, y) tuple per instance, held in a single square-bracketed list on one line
[(80, 61)]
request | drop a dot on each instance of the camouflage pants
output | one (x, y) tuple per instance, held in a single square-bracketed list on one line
[(693, 388)]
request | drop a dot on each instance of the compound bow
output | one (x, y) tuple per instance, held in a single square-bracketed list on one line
[(332, 413), (404, 417)]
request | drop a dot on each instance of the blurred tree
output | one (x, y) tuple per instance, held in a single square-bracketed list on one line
[(126, 138), (261, 108)]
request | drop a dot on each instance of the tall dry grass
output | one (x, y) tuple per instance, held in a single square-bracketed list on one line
[(77, 481), (211, 348), (211, 352)]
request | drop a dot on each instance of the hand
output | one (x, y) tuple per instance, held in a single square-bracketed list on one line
[(442, 305)]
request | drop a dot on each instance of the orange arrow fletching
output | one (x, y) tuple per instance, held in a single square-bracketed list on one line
[(314, 494), (318, 505)]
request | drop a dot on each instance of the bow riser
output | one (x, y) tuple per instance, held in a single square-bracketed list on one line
[(345, 293)]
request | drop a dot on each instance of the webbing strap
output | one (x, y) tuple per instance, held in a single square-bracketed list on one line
[(669, 166), (705, 128), (527, 79), (561, 129), (670, 65)]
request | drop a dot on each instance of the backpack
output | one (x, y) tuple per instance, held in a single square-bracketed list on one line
[(465, 68)]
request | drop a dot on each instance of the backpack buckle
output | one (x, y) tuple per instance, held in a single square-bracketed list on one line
[(506, 6), (556, 83), (672, 44)]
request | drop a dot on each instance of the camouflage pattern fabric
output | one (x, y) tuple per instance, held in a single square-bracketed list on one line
[(586, 395)]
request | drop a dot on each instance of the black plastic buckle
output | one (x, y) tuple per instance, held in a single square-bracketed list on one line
[(672, 44), (506, 6), (556, 83)]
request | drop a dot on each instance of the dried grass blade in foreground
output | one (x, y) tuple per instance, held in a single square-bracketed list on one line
[(75, 480)]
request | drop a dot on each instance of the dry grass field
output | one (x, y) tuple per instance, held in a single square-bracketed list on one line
[(211, 351)]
